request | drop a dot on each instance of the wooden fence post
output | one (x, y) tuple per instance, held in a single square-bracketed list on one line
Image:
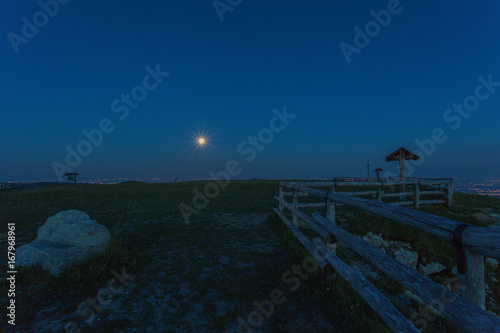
[(470, 314), (449, 194), (295, 204), (471, 285), (330, 210), (475, 290), (379, 193), (330, 215), (417, 195), (282, 196)]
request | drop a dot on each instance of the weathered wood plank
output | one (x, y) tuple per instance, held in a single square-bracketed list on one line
[(474, 285), (374, 183), (301, 194), (402, 203), (485, 241), (431, 192), (462, 312), (387, 195), (354, 183), (382, 306), (319, 183), (360, 193), (311, 204), (325, 266), (432, 202), (325, 234), (434, 183), (366, 183)]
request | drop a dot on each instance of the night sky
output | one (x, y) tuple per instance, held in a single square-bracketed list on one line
[(288, 89)]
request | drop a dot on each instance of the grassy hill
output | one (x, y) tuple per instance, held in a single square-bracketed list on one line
[(208, 274)]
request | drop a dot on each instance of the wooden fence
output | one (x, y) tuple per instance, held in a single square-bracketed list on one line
[(12, 186), (472, 245), (440, 190)]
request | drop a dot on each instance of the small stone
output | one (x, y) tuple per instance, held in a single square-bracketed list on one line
[(432, 268), (224, 260), (341, 219), (493, 262), (408, 258), (375, 240)]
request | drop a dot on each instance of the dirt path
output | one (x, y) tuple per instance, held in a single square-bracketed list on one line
[(202, 280)]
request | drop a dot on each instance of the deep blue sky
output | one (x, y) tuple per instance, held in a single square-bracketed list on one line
[(227, 76)]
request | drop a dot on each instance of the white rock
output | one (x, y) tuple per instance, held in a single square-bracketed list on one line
[(375, 240), (68, 237), (407, 257), (73, 228), (493, 262), (401, 244), (433, 267)]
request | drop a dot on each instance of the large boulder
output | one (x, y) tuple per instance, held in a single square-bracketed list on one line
[(68, 237)]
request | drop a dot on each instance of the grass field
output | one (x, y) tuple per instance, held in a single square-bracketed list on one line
[(208, 274)]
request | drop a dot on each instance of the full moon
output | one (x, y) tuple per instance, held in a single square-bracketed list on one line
[(201, 141)]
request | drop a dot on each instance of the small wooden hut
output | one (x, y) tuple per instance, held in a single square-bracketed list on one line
[(71, 177)]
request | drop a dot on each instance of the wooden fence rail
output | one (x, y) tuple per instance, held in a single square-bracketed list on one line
[(330, 263), (471, 242), (443, 187)]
